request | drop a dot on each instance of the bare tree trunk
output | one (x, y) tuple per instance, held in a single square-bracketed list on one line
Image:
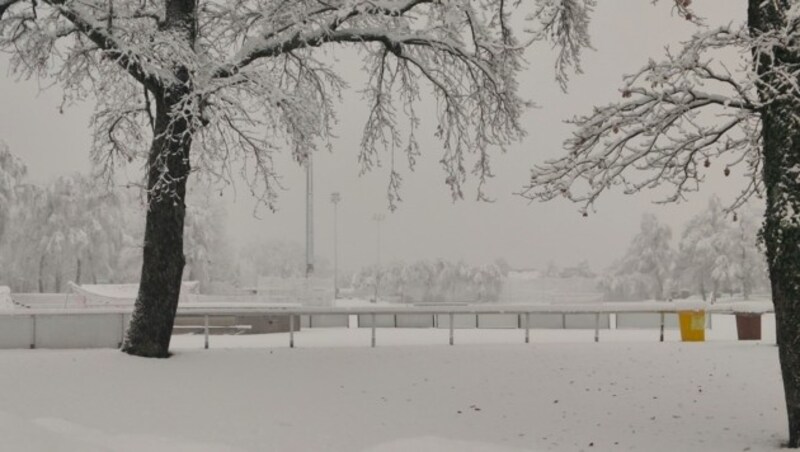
[(91, 268), (781, 155), (58, 280), (153, 318), (163, 260), (659, 289), (782, 240), (78, 272), (745, 277), (41, 273)]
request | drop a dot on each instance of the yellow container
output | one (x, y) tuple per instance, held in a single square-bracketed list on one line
[(693, 326)]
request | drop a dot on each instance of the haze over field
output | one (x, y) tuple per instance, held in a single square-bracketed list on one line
[(427, 223)]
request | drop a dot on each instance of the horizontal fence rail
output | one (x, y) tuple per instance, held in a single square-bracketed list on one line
[(22, 327)]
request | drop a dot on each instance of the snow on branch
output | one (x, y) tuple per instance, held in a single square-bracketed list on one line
[(251, 77), (5, 5), (465, 54), (51, 34), (566, 24), (675, 117), (314, 27)]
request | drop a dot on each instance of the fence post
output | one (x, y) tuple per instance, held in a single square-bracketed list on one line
[(661, 327), (373, 330), (597, 327), (291, 330), (33, 338), (205, 329), (122, 330), (527, 327), (451, 328)]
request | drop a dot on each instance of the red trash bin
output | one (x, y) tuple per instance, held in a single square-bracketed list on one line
[(748, 326)]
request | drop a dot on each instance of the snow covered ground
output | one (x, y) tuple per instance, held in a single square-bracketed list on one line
[(489, 392)]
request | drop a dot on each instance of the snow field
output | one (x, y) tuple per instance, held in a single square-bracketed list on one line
[(490, 392)]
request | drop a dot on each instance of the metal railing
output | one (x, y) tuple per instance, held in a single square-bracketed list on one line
[(522, 311)]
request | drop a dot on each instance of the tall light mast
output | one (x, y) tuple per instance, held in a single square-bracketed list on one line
[(335, 198), (378, 218), (309, 217)]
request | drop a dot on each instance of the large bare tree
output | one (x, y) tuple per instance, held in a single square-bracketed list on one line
[(201, 84), (689, 114)]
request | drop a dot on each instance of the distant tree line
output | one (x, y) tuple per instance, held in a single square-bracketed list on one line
[(717, 254), (61, 231), (77, 228), (433, 281), (579, 270)]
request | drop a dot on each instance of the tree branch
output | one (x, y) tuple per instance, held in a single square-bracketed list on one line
[(659, 133), (5, 4), (269, 46), (113, 49)]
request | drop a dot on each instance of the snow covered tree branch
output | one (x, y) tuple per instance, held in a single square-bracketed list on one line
[(263, 49), (566, 23), (662, 132), (468, 64)]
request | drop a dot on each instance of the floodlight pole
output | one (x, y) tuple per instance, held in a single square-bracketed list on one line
[(309, 217), (378, 218), (335, 198)]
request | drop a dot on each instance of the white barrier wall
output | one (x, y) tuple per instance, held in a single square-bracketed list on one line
[(587, 321), (460, 321), (545, 321), (79, 331), (325, 321), (415, 321), (381, 321), (63, 331), (498, 321), (16, 331), (644, 321)]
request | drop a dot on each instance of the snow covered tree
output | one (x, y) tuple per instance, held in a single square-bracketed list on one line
[(12, 171), (188, 83), (23, 265), (552, 270), (580, 270), (720, 255), (689, 114), (420, 276), (207, 247), (437, 281), (503, 266), (62, 220), (704, 250), (644, 270), (749, 263), (487, 282), (270, 258), (64, 235)]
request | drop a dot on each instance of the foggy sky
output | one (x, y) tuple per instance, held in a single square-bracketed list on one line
[(428, 224)]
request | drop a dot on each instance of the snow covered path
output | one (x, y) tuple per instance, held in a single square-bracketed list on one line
[(635, 395)]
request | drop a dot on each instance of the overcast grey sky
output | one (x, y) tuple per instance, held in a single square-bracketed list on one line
[(427, 224)]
